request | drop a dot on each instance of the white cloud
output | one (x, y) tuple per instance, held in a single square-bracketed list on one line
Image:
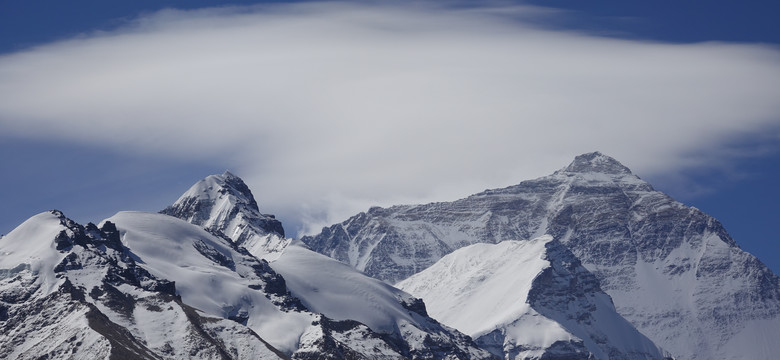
[(327, 108)]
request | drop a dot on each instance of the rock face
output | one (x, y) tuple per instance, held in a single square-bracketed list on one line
[(225, 204), (671, 270), (528, 300)]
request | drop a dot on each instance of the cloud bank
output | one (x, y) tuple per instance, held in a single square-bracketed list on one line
[(328, 108)]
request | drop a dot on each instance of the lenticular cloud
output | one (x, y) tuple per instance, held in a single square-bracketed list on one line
[(336, 106)]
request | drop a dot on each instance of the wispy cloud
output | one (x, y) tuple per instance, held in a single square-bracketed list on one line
[(326, 108)]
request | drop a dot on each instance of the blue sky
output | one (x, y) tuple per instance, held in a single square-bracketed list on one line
[(357, 103)]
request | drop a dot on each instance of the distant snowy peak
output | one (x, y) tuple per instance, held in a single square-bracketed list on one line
[(224, 203), (528, 300)]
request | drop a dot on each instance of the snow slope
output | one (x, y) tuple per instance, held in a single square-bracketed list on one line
[(212, 276), (525, 299), (32, 245), (340, 292)]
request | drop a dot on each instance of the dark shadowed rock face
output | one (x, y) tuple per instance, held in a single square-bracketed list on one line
[(672, 270)]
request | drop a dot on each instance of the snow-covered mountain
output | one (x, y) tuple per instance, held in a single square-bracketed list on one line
[(150, 286), (323, 285), (671, 270), (224, 203), (528, 300), (340, 292), (212, 277)]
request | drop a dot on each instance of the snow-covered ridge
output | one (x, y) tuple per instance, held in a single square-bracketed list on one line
[(31, 246), (526, 300)]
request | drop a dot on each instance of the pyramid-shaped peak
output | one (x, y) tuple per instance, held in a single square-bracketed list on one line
[(215, 186), (596, 162), (223, 202)]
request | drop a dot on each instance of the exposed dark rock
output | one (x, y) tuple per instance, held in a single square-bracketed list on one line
[(416, 305), (214, 255)]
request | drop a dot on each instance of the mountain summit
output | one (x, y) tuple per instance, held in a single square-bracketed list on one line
[(672, 270), (596, 162), (225, 204)]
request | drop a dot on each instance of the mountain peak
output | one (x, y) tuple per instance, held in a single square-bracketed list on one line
[(215, 186), (596, 162), (225, 204)]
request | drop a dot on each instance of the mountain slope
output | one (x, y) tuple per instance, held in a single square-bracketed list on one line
[(671, 270), (527, 300)]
